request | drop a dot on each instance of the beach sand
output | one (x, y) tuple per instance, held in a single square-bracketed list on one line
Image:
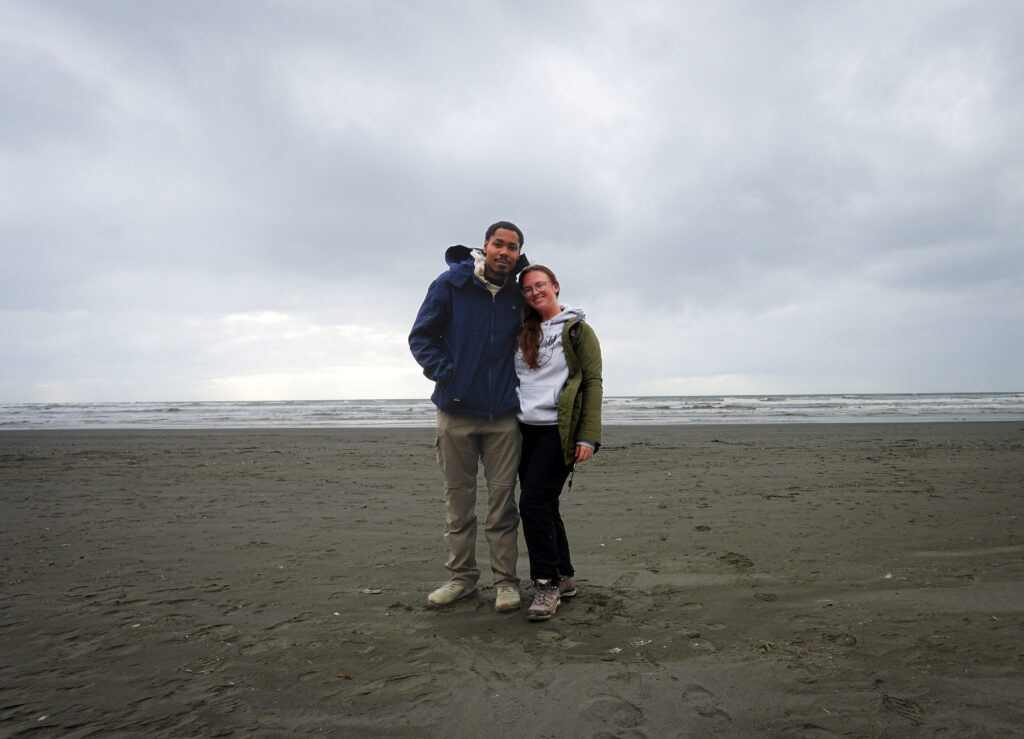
[(771, 580)]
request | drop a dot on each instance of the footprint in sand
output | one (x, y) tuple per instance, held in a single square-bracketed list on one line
[(625, 580), (615, 711), (903, 707), (550, 636), (704, 704), (737, 560)]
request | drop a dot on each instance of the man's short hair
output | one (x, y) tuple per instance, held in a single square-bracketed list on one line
[(504, 224)]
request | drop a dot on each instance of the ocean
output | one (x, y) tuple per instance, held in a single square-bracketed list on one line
[(625, 410)]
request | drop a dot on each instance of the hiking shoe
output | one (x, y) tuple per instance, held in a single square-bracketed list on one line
[(448, 594), (566, 586), (545, 601), (507, 599)]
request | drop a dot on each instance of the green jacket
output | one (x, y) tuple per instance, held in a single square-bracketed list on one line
[(579, 403)]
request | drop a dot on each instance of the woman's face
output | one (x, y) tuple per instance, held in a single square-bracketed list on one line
[(541, 294)]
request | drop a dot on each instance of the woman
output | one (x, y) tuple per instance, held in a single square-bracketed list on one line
[(559, 368)]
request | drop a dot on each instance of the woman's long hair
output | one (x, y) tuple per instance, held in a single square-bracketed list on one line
[(529, 338)]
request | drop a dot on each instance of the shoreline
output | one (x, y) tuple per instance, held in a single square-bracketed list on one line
[(793, 579), (794, 424)]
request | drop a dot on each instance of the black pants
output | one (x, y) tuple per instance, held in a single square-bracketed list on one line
[(542, 472)]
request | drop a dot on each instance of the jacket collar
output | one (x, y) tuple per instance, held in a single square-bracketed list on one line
[(462, 264)]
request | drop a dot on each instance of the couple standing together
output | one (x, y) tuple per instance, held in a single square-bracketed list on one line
[(517, 386)]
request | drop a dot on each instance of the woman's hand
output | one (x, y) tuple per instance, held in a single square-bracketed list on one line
[(583, 453)]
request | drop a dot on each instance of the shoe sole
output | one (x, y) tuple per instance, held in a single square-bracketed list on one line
[(567, 593), (468, 594), (539, 616), (506, 609)]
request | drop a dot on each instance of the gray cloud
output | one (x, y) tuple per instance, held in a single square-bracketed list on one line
[(801, 196)]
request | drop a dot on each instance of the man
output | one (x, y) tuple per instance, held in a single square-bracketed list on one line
[(465, 339)]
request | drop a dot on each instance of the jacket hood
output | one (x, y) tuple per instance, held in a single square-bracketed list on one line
[(457, 254), (461, 257), (568, 314)]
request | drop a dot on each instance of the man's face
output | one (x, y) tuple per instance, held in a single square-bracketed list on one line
[(501, 252)]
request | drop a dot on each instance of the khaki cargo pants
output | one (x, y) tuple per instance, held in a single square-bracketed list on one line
[(462, 442)]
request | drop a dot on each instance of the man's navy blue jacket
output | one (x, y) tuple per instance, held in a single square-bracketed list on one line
[(465, 339)]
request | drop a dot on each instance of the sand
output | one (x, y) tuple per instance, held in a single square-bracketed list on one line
[(772, 580)]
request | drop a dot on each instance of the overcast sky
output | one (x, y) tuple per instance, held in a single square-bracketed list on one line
[(207, 200)]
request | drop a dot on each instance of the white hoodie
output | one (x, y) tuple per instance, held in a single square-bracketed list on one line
[(539, 388)]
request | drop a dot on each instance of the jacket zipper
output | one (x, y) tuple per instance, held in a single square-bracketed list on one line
[(490, 355)]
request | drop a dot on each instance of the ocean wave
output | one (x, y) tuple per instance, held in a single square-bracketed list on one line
[(617, 410)]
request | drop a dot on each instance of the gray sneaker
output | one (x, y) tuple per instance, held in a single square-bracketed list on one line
[(448, 594), (507, 598), (545, 601)]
